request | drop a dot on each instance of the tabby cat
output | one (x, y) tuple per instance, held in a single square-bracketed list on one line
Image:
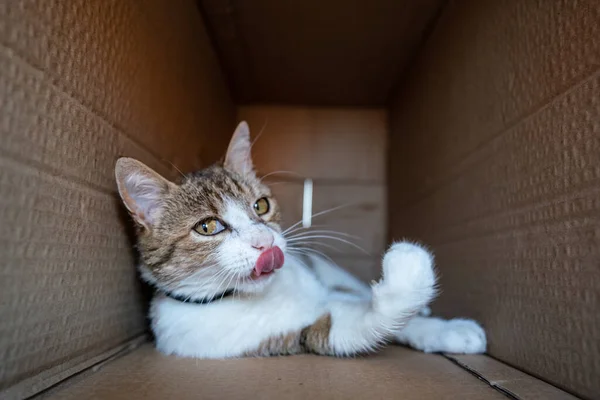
[(228, 283)]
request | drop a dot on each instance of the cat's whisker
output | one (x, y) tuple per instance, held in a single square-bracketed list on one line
[(175, 167), (310, 243), (305, 228), (322, 255), (206, 284), (318, 214), (262, 130), (308, 251), (295, 232), (327, 245), (202, 279), (310, 248), (280, 172), (221, 288), (222, 276), (241, 282), (238, 282), (218, 287), (332, 238), (318, 236), (319, 231), (276, 183), (227, 286)]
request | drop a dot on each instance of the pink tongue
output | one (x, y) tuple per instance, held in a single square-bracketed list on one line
[(268, 261)]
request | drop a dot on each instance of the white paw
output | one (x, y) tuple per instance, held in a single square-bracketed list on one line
[(408, 266), (408, 282), (459, 336)]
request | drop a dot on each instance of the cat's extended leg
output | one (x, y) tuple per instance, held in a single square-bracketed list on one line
[(354, 327), (428, 334), (338, 279)]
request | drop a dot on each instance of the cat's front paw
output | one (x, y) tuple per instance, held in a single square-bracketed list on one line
[(408, 282), (408, 266), (460, 336)]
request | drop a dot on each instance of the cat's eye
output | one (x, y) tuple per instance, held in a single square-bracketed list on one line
[(209, 227), (262, 206)]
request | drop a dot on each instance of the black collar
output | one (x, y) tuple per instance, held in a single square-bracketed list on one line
[(205, 300)]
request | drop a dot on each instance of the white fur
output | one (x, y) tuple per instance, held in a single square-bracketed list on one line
[(233, 326), (331, 276), (438, 335), (295, 297)]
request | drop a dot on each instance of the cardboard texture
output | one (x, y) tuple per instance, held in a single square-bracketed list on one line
[(488, 153), (82, 82), (497, 135), (510, 381), (333, 145), (396, 373), (334, 53)]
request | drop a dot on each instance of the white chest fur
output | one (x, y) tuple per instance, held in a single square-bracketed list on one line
[(236, 325)]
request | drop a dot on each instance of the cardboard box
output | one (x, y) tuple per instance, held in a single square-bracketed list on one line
[(472, 126)]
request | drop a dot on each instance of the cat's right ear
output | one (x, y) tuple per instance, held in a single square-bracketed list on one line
[(238, 158), (142, 190)]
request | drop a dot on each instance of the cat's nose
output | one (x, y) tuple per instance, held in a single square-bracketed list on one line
[(262, 241)]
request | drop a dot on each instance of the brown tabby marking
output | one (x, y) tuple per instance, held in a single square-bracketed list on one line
[(168, 250), (312, 339), (315, 338)]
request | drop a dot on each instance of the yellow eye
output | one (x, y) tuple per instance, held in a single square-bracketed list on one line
[(209, 227), (262, 206)]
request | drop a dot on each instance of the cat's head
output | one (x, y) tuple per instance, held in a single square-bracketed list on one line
[(216, 230)]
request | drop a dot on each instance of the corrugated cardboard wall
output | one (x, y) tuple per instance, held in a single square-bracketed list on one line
[(82, 82), (342, 150), (334, 53), (496, 165)]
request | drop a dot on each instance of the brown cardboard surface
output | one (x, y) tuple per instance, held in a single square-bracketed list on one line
[(509, 380), (396, 373), (81, 83), (329, 144), (337, 52), (127, 65), (486, 67), (78, 367), (497, 136), (68, 284)]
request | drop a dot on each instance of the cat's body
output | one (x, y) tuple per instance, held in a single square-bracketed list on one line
[(291, 316), (215, 240)]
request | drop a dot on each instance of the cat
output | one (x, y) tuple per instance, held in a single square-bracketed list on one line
[(229, 285)]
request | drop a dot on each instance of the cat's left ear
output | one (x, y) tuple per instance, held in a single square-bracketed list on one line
[(142, 190), (238, 158)]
